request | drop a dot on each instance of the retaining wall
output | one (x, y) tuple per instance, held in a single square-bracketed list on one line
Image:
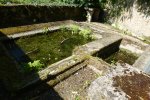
[(136, 19), (16, 15)]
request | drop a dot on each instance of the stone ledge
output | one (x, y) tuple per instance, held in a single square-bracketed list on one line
[(120, 83), (99, 45)]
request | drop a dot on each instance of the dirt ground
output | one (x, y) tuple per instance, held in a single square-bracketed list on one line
[(75, 87)]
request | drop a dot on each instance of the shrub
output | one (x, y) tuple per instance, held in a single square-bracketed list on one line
[(74, 28)]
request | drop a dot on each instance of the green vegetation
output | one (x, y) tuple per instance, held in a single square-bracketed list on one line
[(113, 8), (116, 6), (33, 1), (37, 1), (122, 30), (86, 33), (35, 65), (123, 56), (46, 30), (74, 29), (146, 39), (77, 97), (45, 49), (85, 3)]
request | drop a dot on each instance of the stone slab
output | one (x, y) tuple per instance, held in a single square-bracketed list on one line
[(121, 83), (143, 62)]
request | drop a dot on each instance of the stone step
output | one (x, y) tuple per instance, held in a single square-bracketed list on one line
[(73, 86)]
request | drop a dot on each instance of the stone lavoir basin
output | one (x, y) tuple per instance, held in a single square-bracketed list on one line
[(46, 48), (39, 53), (68, 59), (121, 50), (120, 55)]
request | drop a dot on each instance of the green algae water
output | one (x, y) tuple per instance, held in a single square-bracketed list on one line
[(48, 48), (123, 56)]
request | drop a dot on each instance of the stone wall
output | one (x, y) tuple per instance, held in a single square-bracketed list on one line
[(17, 15), (136, 19)]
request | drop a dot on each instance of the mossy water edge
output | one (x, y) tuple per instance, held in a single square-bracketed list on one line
[(48, 48), (123, 56)]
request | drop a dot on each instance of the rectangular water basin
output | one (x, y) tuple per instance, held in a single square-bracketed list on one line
[(114, 54), (121, 56), (38, 51), (112, 50)]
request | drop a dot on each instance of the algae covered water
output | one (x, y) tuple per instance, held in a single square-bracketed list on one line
[(123, 56), (47, 48)]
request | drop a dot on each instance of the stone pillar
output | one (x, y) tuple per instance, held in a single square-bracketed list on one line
[(90, 12)]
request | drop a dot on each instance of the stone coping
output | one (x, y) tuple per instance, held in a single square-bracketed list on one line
[(25, 28)]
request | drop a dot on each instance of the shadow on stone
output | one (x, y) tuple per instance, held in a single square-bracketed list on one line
[(12, 75)]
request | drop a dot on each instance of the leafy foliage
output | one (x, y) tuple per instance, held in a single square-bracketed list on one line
[(35, 65), (86, 33), (74, 28), (116, 7), (86, 3)]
